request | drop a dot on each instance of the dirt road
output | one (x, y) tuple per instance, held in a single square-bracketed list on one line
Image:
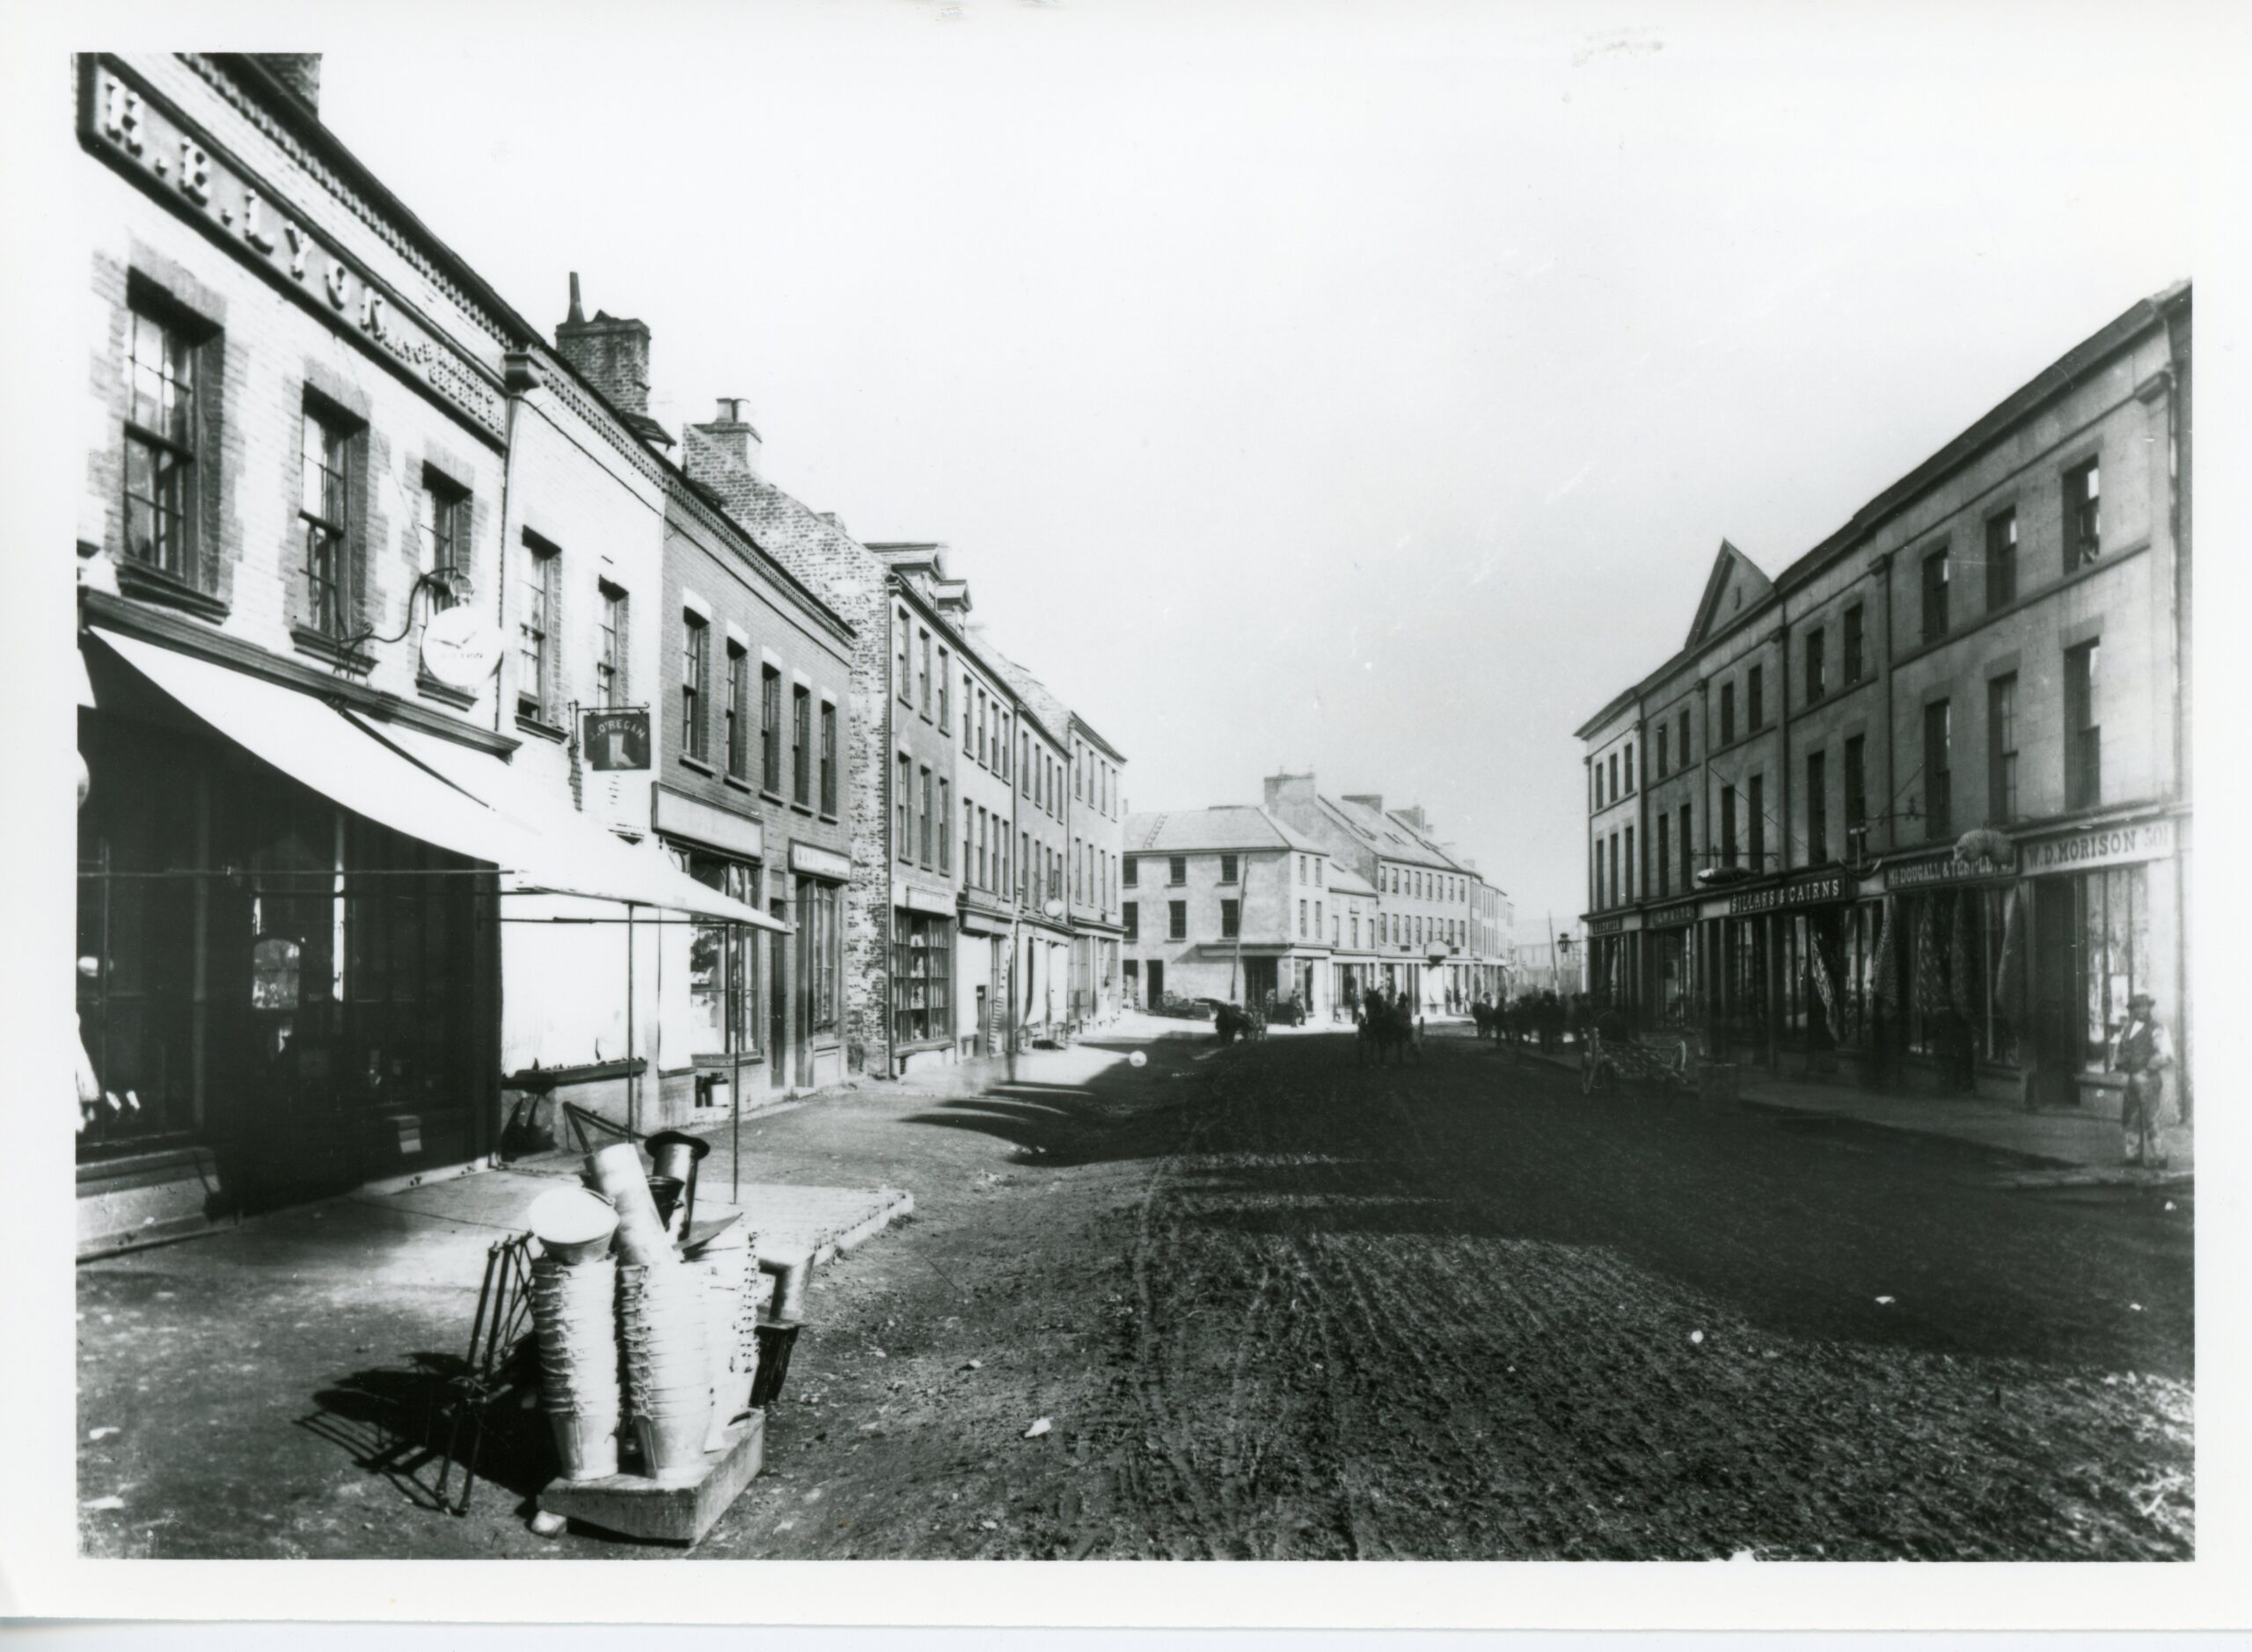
[(1270, 1305), (1285, 1308)]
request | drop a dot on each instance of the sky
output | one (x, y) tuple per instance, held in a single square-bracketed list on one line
[(1349, 388)]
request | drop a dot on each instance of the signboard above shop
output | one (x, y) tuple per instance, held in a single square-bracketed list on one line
[(617, 739), (135, 130), (1819, 889)]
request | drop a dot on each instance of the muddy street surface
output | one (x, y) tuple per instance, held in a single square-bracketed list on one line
[(1271, 1305)]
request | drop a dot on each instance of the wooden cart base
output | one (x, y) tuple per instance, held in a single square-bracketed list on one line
[(636, 1507)]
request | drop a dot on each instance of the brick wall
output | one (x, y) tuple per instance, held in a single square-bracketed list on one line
[(851, 580)]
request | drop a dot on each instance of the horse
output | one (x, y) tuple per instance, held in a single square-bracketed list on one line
[(1387, 1028)]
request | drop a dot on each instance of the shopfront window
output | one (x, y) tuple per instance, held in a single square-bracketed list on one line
[(722, 962), (2114, 953), (819, 930), (921, 971), (1965, 973)]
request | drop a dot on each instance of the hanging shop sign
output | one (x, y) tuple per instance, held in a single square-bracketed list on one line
[(2109, 847), (617, 740), (140, 133), (1813, 891)]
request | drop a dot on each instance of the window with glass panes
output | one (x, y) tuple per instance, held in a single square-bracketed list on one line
[(924, 822), (2083, 516), (1755, 689), (2002, 747), (1688, 854), (820, 909), (1935, 582), (2002, 559), (1728, 712), (1817, 808), (610, 645), (535, 637), (738, 752), (160, 441), (445, 525), (1176, 920), (1853, 660), (722, 962), (945, 827), (2083, 732), (1231, 919), (1939, 781), (769, 728), (1856, 786), (323, 510), (1665, 858), (828, 756), (801, 743), (902, 800), (946, 678), (922, 971), (695, 683), (1817, 669)]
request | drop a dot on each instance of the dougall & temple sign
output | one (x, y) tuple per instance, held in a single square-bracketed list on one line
[(137, 132)]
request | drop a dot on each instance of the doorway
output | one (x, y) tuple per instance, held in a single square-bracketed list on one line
[(1258, 980), (2060, 991), (1157, 983), (778, 1004)]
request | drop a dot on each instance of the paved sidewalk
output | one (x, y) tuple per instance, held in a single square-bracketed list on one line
[(2058, 1148), (2062, 1147)]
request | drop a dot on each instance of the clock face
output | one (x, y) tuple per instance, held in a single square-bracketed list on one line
[(460, 648)]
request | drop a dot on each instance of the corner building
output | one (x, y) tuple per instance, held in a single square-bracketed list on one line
[(1917, 811)]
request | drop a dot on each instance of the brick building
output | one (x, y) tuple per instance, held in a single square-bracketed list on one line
[(313, 805), (1918, 808)]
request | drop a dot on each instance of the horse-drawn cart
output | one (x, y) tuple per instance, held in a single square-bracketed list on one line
[(1665, 1065)]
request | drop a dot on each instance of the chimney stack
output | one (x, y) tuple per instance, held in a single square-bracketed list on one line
[(612, 353), (734, 435), (1292, 788), (299, 71), (1414, 817)]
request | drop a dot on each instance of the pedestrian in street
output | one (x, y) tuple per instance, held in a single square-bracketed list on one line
[(2142, 1051)]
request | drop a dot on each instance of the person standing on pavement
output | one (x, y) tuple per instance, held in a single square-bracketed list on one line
[(2142, 1050)]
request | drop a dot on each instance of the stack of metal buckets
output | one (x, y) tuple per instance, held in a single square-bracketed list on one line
[(610, 1281)]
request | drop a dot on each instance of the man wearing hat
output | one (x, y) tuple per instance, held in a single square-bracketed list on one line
[(2141, 1050)]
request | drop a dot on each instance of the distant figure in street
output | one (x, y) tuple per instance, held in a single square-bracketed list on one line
[(2142, 1050)]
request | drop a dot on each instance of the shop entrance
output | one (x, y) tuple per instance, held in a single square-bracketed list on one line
[(778, 1004), (2058, 992), (1157, 983), (1258, 980)]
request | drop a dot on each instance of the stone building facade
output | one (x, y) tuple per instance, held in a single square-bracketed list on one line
[(1428, 897), (337, 596), (1227, 902), (1973, 766)]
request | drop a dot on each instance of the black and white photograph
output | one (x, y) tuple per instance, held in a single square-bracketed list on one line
[(1028, 780)]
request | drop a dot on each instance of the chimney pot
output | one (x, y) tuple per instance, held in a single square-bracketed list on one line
[(612, 353), (734, 435)]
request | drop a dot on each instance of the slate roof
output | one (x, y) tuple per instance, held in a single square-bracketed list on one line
[(1229, 826)]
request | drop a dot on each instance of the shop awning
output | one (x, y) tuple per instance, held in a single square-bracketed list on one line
[(335, 754), (578, 856)]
